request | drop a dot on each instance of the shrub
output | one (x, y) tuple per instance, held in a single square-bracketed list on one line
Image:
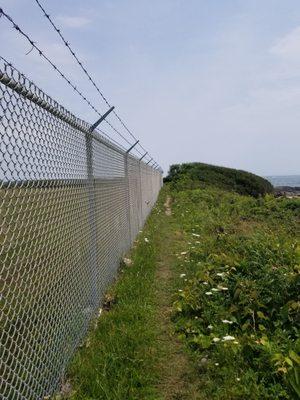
[(193, 175)]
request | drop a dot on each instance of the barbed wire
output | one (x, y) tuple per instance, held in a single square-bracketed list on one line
[(63, 76), (67, 44)]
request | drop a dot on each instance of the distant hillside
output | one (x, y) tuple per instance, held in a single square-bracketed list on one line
[(192, 175)]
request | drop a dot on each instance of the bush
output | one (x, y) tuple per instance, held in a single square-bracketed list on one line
[(193, 175)]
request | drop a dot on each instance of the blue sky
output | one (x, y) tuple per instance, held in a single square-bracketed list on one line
[(216, 81)]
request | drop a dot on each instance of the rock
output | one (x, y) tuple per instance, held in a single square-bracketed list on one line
[(287, 191)]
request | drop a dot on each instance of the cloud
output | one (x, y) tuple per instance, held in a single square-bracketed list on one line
[(74, 22), (288, 46)]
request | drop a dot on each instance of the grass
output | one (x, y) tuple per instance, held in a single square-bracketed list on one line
[(117, 361)]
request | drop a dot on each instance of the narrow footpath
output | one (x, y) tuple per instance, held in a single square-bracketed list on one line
[(177, 381)]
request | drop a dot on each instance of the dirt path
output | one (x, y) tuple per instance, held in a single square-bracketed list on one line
[(176, 375), (167, 205)]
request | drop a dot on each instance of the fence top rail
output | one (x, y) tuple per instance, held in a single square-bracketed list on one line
[(18, 82)]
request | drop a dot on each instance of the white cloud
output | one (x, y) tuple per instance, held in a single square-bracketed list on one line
[(74, 22), (289, 45)]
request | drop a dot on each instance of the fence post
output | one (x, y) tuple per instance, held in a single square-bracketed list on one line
[(126, 155), (141, 196), (141, 188), (92, 257)]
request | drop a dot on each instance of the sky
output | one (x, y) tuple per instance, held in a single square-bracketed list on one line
[(214, 81)]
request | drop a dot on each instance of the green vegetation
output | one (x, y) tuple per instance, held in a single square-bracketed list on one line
[(238, 310), (195, 175)]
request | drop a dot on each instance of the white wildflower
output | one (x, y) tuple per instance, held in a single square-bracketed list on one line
[(217, 364), (221, 274), (214, 289), (146, 240), (228, 338), (238, 379), (183, 253), (182, 275), (208, 293), (195, 234), (226, 321), (210, 327), (216, 339), (236, 342), (179, 290), (205, 283), (222, 288)]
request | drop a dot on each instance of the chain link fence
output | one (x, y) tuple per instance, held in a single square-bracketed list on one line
[(72, 203)]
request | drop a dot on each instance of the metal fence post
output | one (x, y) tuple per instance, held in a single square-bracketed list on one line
[(92, 258), (126, 155), (126, 158), (141, 196), (92, 211)]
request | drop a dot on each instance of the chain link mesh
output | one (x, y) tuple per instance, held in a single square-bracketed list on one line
[(71, 205)]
